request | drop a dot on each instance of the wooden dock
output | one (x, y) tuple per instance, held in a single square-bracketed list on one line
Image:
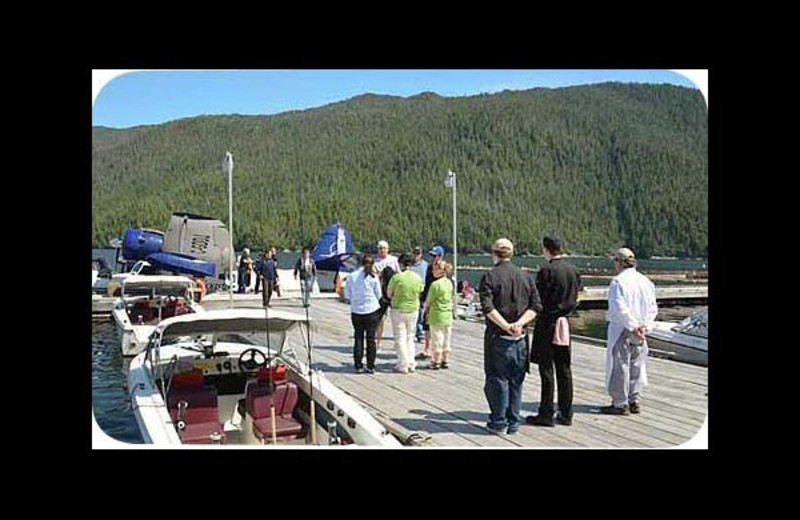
[(597, 297), (447, 408)]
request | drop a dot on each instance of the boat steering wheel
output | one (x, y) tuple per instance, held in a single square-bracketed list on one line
[(251, 363)]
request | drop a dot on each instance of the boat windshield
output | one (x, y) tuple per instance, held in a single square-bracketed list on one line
[(175, 290)]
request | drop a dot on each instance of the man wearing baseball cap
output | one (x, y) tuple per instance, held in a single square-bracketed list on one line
[(632, 311), (509, 301)]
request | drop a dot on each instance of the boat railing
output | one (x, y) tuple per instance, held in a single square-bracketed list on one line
[(169, 372)]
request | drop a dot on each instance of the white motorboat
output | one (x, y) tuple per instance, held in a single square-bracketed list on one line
[(242, 377), (685, 341), (145, 301)]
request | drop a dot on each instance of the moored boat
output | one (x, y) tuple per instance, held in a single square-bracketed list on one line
[(686, 341), (146, 300), (241, 376)]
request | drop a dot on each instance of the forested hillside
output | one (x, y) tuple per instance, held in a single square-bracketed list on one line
[(602, 165)]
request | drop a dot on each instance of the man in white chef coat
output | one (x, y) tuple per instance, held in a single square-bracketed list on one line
[(631, 313)]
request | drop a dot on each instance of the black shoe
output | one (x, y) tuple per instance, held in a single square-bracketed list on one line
[(563, 421), (512, 429), (613, 410), (444, 365), (496, 429), (635, 408), (359, 370), (434, 366), (539, 420), (370, 371), (422, 356)]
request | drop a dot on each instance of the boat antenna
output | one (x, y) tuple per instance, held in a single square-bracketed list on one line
[(313, 409), (269, 375)]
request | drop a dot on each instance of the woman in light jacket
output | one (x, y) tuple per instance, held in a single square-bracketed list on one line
[(363, 289)]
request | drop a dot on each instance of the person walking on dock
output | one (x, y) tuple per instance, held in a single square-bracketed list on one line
[(509, 301), (404, 290), (269, 275), (244, 271), (257, 268), (632, 311), (558, 284), (307, 269), (363, 289)]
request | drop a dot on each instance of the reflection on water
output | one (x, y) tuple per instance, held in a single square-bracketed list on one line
[(109, 386)]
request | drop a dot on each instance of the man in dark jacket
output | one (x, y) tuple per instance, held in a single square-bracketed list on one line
[(558, 284), (268, 270), (509, 301)]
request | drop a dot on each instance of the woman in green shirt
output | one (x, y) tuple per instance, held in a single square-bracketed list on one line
[(439, 307)]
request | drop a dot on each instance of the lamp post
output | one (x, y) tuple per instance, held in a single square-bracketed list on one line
[(227, 167), (450, 182)]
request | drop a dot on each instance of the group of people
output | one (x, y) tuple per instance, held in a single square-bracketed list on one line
[(419, 296), (266, 271), (416, 294), (511, 300)]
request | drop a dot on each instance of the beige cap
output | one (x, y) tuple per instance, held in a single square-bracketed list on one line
[(383, 243), (624, 253), (503, 245)]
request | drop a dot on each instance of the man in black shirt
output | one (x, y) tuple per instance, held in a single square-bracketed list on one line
[(558, 283), (509, 301)]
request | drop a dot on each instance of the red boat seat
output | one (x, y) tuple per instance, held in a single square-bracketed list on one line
[(201, 416), (286, 426)]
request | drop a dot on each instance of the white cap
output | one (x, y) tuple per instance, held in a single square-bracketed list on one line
[(503, 245), (624, 253), (383, 243)]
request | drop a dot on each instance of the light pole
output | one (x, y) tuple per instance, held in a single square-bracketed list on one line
[(450, 182), (227, 167)]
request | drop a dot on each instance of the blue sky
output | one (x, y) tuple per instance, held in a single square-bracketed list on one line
[(151, 97)]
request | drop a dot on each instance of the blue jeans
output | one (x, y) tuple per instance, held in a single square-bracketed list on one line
[(505, 364), (420, 320), (305, 288)]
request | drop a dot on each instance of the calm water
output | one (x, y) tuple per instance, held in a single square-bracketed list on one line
[(469, 266), (583, 263), (110, 399)]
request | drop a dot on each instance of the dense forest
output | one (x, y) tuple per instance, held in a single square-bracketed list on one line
[(601, 165)]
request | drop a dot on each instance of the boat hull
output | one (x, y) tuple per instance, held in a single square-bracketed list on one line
[(677, 346)]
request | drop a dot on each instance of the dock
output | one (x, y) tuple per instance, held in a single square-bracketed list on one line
[(447, 408), (597, 297), (589, 298)]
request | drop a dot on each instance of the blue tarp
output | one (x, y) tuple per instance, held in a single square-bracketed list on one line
[(334, 251), (182, 264)]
